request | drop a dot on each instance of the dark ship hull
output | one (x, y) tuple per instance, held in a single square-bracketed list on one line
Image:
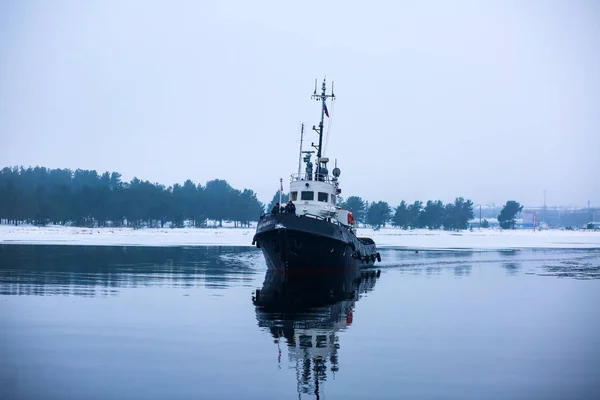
[(295, 296), (291, 243), (286, 303)]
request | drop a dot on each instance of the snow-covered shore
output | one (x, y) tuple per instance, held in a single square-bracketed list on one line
[(385, 237)]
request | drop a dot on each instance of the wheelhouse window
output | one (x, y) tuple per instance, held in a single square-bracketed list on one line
[(307, 195), (323, 197), (294, 196), (305, 341), (321, 341)]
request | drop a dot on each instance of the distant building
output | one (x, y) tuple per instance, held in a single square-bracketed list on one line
[(592, 225), (492, 222), (527, 220)]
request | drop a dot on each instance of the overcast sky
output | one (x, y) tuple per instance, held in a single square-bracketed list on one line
[(489, 100)]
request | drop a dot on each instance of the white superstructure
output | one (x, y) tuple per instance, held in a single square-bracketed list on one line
[(317, 194)]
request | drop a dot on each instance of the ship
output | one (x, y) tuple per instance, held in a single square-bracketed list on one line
[(318, 233), (305, 312)]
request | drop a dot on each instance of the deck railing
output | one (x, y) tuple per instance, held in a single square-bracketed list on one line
[(312, 177), (308, 215)]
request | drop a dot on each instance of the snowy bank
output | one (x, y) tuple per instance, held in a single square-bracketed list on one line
[(483, 239), (126, 236), (385, 237)]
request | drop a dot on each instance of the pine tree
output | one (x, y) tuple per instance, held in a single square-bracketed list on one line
[(401, 216), (506, 218), (378, 214)]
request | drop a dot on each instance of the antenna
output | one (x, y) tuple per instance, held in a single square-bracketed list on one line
[(300, 154), (321, 98)]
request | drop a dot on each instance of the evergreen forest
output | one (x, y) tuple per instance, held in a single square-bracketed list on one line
[(86, 198)]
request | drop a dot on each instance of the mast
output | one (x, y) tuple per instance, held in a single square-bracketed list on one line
[(322, 98), (280, 190)]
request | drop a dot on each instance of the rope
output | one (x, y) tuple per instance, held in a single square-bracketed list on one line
[(329, 126)]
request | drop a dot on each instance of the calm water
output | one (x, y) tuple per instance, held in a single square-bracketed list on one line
[(186, 323)]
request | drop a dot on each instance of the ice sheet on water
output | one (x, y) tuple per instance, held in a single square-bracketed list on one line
[(384, 237)]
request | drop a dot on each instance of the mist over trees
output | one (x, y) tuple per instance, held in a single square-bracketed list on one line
[(85, 198)]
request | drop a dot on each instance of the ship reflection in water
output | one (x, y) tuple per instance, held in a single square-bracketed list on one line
[(306, 310)]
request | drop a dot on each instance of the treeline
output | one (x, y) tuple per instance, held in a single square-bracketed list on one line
[(85, 198), (432, 215)]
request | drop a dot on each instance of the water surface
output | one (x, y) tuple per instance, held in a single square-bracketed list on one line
[(81, 322)]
